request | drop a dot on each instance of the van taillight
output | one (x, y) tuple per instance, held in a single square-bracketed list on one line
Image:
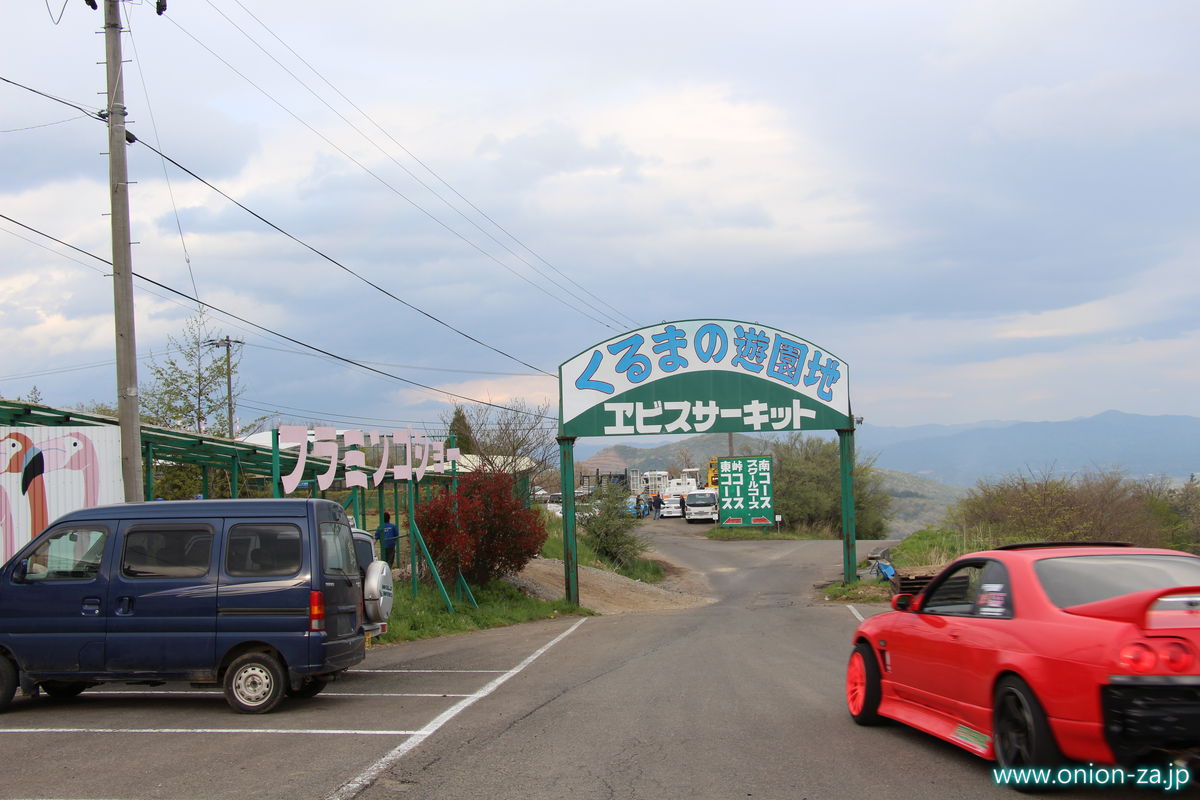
[(316, 611)]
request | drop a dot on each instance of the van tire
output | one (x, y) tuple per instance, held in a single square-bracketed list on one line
[(254, 683), (8, 681)]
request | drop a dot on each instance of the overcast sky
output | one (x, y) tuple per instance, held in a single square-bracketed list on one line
[(987, 209)]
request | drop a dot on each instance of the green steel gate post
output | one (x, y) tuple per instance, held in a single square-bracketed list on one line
[(410, 499), (566, 472), (148, 472), (235, 477), (414, 534), (849, 549), (276, 478), (204, 487)]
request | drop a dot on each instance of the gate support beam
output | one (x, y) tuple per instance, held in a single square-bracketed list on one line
[(849, 548), (566, 472)]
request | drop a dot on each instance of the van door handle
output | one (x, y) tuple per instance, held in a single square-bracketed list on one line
[(125, 605), (90, 607)]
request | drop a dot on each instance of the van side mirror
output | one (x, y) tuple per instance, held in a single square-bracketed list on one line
[(20, 571)]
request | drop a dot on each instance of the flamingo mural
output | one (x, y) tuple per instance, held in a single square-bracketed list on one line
[(18, 454), (75, 451)]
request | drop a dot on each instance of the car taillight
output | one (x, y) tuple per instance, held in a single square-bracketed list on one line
[(1138, 657), (1157, 655), (1178, 656), (316, 611)]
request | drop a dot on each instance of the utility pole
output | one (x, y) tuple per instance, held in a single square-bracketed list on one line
[(228, 344), (122, 259)]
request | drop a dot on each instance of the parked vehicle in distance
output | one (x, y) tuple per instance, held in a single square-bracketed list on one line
[(701, 506), (377, 585), (1040, 653), (671, 507), (261, 597)]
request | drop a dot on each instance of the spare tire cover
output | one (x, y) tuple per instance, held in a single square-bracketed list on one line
[(377, 591)]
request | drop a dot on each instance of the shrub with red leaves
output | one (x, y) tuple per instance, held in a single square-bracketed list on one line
[(492, 534)]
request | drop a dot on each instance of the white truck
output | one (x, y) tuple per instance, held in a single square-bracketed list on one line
[(701, 506)]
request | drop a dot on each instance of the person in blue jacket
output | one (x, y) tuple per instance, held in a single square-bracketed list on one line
[(388, 536)]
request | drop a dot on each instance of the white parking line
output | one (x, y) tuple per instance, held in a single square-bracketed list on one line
[(854, 611), (353, 787), (432, 671), (182, 693), (309, 731)]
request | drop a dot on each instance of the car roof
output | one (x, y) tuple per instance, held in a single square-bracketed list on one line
[(1036, 551), (167, 509)]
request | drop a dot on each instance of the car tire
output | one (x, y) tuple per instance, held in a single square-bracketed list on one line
[(864, 688), (1021, 735), (64, 690), (311, 687), (8, 681), (254, 683)]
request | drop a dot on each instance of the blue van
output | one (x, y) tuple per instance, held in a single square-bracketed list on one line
[(261, 597)]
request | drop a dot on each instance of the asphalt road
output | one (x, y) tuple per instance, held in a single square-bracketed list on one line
[(741, 698)]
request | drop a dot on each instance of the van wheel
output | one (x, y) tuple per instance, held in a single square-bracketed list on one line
[(62, 690), (310, 688), (8, 682), (254, 683)]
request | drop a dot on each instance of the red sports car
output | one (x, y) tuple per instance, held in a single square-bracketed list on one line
[(1034, 654)]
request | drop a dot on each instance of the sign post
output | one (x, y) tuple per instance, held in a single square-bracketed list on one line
[(703, 376), (746, 491)]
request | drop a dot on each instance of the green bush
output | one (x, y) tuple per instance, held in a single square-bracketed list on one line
[(609, 527), (808, 488)]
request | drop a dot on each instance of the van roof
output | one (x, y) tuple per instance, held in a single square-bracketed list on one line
[(167, 509)]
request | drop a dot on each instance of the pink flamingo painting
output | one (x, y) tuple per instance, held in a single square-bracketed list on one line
[(19, 455), (75, 451)]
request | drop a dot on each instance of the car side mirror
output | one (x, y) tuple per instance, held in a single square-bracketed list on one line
[(20, 571), (902, 602)]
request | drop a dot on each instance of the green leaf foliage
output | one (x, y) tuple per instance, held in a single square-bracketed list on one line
[(808, 487)]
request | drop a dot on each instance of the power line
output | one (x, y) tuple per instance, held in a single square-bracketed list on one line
[(283, 336), (384, 182), (132, 138), (407, 171)]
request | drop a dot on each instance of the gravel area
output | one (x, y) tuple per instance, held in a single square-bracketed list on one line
[(608, 593)]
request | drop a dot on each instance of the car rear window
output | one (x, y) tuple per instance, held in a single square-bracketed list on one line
[(1075, 580), (337, 549), (262, 550), (166, 553)]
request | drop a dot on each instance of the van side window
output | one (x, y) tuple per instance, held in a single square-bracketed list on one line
[(171, 553), (337, 549), (263, 550), (71, 554)]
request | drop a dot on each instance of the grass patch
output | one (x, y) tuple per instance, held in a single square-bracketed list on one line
[(642, 569), (933, 546), (500, 604), (859, 592)]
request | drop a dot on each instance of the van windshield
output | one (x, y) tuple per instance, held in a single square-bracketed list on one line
[(702, 499)]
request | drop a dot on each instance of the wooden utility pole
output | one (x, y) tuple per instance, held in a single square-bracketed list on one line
[(228, 344), (122, 259)]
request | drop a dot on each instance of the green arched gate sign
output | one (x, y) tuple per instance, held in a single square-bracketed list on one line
[(702, 376)]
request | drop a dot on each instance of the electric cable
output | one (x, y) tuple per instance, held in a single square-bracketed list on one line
[(284, 336)]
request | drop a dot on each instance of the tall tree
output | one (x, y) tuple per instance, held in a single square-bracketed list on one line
[(520, 438), (189, 386), (464, 438)]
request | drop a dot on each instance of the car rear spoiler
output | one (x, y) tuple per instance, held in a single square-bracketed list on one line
[(1134, 607)]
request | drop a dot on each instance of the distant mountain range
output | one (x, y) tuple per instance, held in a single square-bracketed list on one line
[(1135, 444)]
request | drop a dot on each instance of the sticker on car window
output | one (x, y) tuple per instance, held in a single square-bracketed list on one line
[(993, 600)]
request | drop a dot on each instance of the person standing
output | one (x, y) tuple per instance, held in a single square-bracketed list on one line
[(658, 504), (388, 536)]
